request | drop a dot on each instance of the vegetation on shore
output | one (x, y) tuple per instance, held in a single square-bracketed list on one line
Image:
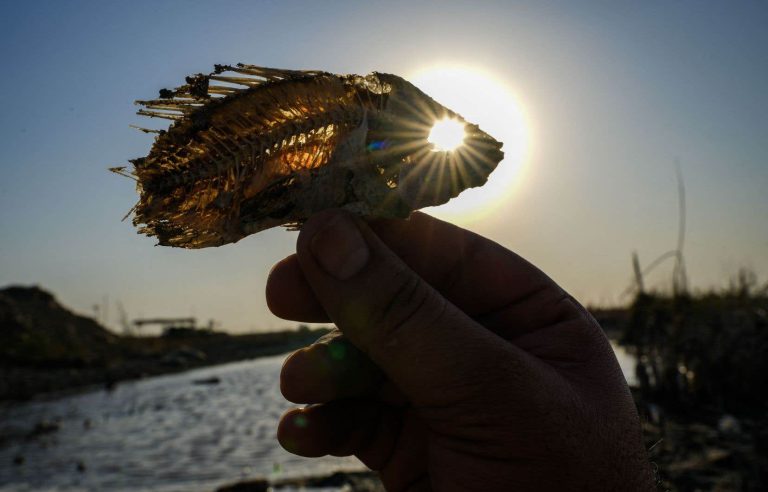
[(702, 372)]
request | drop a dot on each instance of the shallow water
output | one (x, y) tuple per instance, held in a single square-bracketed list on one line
[(163, 434), (627, 363), (160, 434)]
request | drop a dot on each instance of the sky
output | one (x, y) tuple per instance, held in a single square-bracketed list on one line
[(609, 96)]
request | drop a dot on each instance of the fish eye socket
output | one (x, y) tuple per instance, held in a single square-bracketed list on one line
[(447, 135)]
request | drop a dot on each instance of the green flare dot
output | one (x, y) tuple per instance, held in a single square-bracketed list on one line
[(300, 421), (337, 351)]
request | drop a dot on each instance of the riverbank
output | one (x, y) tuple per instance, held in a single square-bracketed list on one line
[(706, 451), (144, 357), (356, 481), (46, 349), (702, 384)]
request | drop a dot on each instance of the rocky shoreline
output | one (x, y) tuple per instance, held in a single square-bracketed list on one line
[(356, 481), (707, 452)]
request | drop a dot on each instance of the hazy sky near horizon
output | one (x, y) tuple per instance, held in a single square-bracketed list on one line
[(612, 93)]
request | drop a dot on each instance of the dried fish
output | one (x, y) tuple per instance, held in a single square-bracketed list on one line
[(265, 147)]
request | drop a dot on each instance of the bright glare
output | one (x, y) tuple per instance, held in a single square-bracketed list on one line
[(447, 134), (483, 100)]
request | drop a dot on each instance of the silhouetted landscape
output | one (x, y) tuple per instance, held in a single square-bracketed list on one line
[(701, 372), (45, 347)]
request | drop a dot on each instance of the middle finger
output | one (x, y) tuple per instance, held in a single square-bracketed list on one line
[(330, 369)]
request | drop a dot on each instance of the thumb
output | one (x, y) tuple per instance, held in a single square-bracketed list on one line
[(428, 347)]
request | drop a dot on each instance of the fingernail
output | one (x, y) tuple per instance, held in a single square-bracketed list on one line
[(340, 248)]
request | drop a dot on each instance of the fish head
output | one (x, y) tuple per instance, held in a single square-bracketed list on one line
[(430, 152)]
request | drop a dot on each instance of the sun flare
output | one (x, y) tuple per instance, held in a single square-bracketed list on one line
[(447, 135), (480, 98)]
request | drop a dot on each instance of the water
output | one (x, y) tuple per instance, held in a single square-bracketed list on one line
[(627, 363), (162, 434)]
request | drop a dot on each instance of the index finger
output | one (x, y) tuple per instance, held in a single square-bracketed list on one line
[(481, 277)]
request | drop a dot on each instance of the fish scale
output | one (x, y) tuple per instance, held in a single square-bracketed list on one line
[(251, 148)]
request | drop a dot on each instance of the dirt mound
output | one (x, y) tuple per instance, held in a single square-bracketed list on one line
[(35, 330)]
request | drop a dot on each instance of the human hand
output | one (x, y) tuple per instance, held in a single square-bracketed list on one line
[(461, 365)]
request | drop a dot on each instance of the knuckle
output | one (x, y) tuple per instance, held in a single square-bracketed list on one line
[(404, 291), (410, 305)]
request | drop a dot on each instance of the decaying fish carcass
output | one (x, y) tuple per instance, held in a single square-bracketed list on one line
[(252, 148)]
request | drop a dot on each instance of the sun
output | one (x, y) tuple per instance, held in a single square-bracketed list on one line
[(447, 135), (481, 99)]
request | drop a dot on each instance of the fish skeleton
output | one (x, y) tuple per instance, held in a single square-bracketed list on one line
[(252, 148)]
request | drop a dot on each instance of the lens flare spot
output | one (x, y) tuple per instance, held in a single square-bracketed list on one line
[(300, 421), (447, 135), (337, 351)]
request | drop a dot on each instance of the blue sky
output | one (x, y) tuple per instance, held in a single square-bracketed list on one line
[(614, 94)]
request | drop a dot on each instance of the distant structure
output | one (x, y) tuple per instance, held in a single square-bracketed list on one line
[(189, 323), (174, 326), (169, 326)]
